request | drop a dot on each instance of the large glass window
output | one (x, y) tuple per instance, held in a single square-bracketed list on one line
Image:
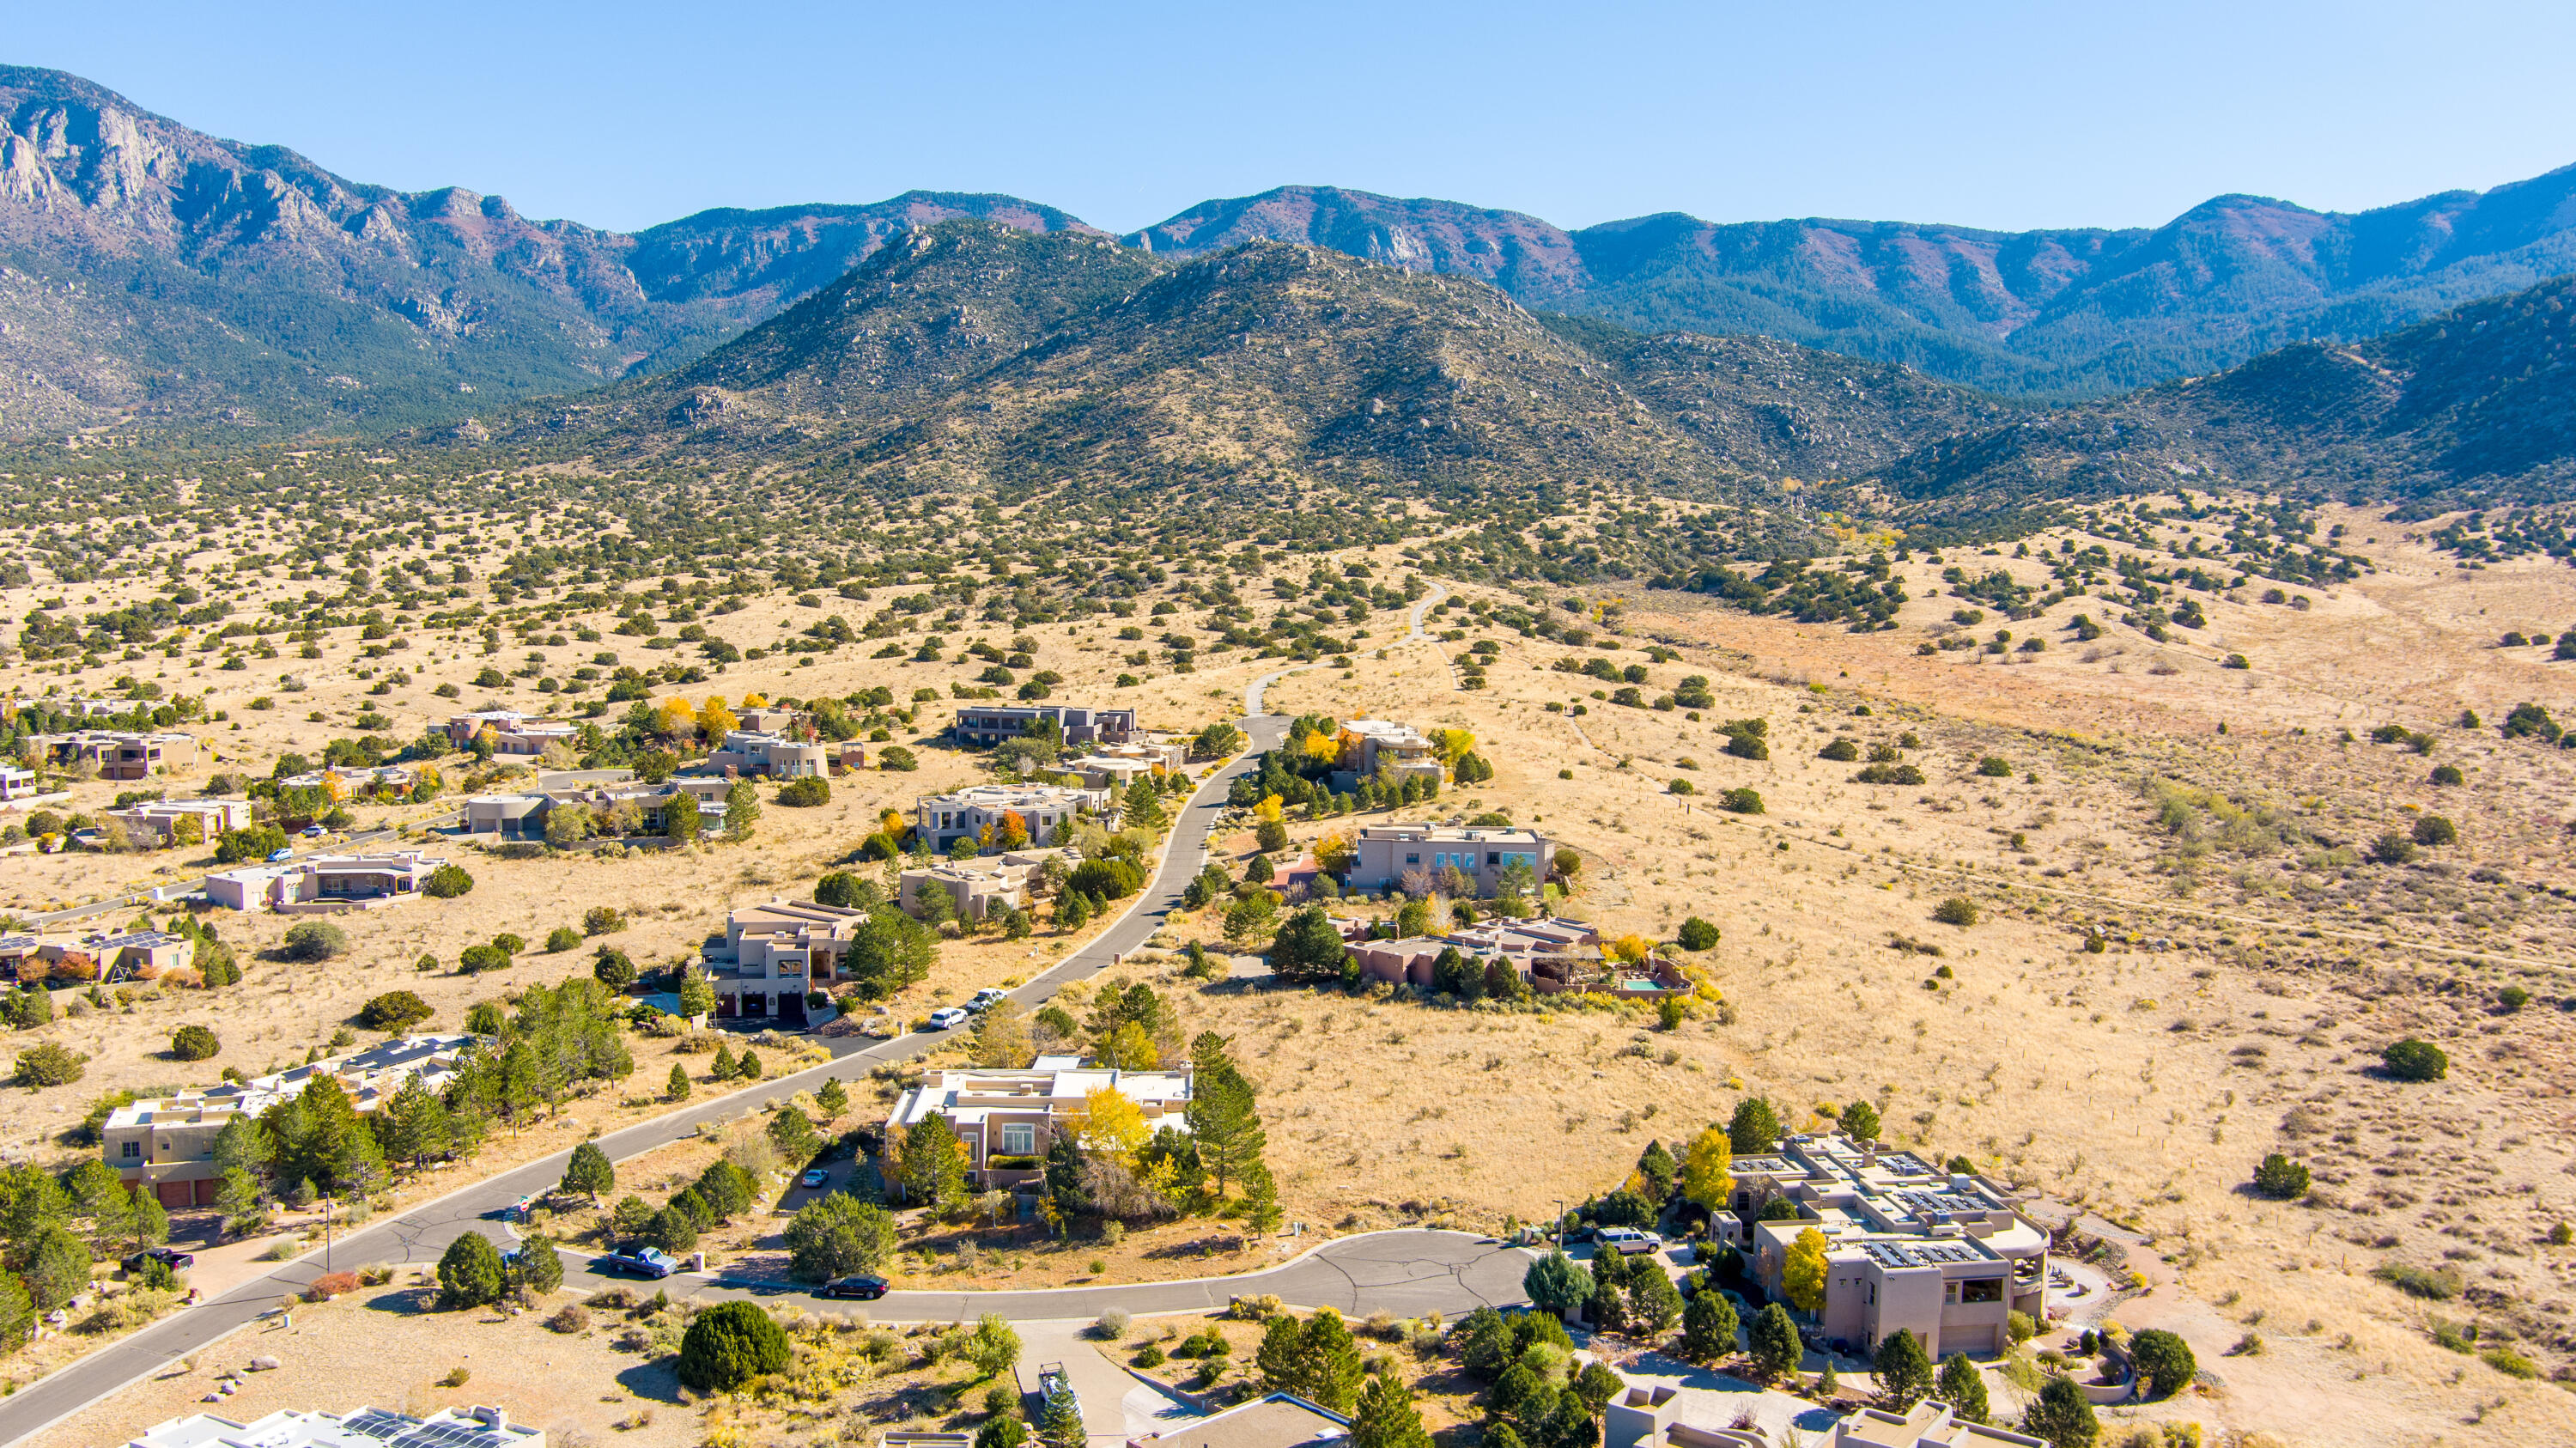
[(1982, 1289), (1019, 1138)]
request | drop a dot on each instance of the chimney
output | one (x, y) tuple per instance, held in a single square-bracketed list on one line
[(493, 1418)]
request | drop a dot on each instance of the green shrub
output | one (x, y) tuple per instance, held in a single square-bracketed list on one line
[(561, 939), (1697, 934), (193, 1043), (728, 1345), (475, 959), (48, 1064), (1958, 910), (2281, 1178), (447, 882), (2434, 830), (1995, 766), (2414, 1060), (316, 940), (1745, 801), (805, 791), (1841, 751), (394, 1011), (2438, 1284), (897, 758)]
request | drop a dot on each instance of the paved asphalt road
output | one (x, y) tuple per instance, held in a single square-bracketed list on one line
[(1438, 1271)]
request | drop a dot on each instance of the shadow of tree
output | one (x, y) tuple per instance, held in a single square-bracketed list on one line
[(405, 1301), (654, 1381)]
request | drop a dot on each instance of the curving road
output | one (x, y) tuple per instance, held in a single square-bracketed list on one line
[(1436, 1271)]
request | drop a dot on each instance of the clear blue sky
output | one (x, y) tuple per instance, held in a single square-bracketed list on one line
[(1998, 115)]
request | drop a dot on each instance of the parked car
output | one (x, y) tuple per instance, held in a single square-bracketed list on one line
[(179, 1261), (1626, 1241), (985, 998), (276, 856), (814, 1176), (948, 1018), (640, 1260), (311, 832), (861, 1286)]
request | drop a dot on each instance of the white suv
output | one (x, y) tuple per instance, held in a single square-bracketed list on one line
[(948, 1018), (1627, 1241)]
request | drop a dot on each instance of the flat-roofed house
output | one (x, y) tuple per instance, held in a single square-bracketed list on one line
[(1944, 1255), (943, 819), (1930, 1423), (993, 723), (167, 1144), (1006, 1119), (1389, 853), (752, 751), (1281, 1420), (1400, 751), (121, 755), (358, 882), (157, 821), (774, 954), (478, 1427), (16, 782)]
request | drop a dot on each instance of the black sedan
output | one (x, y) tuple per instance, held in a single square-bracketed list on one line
[(859, 1285), (177, 1260)]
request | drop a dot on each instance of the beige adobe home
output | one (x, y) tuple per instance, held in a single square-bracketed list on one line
[(774, 954), (1944, 1255), (1374, 748), (513, 733), (976, 888), (1390, 853), (943, 819), (156, 822), (1007, 1118), (993, 723), (119, 755), (753, 751), (1928, 1424), (1280, 1420), (168, 1143)]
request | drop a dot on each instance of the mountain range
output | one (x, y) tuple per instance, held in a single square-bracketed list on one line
[(149, 272), (976, 355)]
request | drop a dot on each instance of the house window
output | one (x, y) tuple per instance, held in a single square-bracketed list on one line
[(1019, 1138), (1414, 858), (1493, 857), (1982, 1289), (133, 1149), (1949, 1292)]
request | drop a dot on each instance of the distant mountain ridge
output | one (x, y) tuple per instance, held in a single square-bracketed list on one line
[(153, 274), (2077, 310), (148, 270)]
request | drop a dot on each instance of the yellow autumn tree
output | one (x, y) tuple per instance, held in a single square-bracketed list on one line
[(1268, 809), (1322, 746), (1335, 854), (755, 700), (891, 821), (1111, 1126), (1708, 1175), (714, 719), (1453, 744), (1632, 948), (1131, 1048), (1014, 832), (1802, 1273), (676, 718)]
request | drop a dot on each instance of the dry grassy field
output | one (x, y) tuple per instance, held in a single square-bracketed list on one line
[(2184, 958)]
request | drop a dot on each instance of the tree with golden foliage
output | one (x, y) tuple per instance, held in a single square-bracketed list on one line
[(1708, 1176), (714, 719), (1802, 1273), (1111, 1126), (1269, 810)]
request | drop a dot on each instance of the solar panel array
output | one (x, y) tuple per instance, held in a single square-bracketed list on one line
[(1919, 1254), (398, 1431)]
